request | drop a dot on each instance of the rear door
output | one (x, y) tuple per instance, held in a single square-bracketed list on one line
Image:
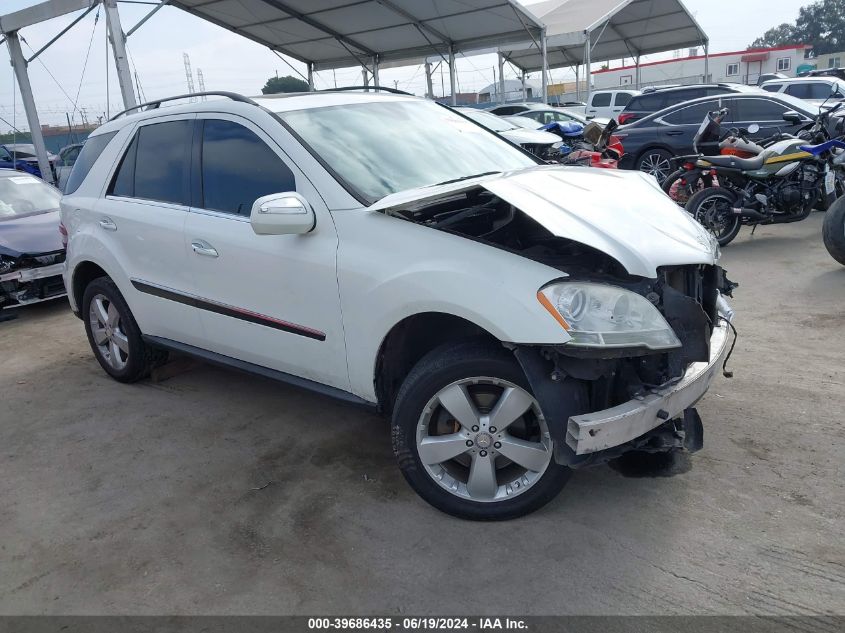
[(142, 217), (681, 125)]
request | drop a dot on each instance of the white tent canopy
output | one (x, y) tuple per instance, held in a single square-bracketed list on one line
[(339, 33), (586, 31)]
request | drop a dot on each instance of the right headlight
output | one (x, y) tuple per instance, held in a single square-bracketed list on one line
[(596, 315)]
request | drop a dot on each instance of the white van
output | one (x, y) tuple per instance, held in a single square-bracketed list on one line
[(608, 104)]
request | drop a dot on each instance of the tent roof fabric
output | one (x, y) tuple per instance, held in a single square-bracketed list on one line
[(339, 33), (617, 28)]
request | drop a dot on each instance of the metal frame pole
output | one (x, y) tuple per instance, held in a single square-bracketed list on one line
[(310, 76), (375, 71), (429, 88), (502, 97), (524, 91), (452, 75), (706, 62), (121, 62), (545, 81), (578, 82), (22, 76), (587, 64), (638, 72)]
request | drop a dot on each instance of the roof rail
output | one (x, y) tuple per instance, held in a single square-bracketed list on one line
[(153, 105), (373, 88)]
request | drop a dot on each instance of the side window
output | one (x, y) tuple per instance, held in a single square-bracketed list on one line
[(533, 114), (238, 167), (123, 183), (691, 115), (758, 110), (622, 99), (601, 100), (91, 151), (651, 102), (4, 154), (162, 162), (772, 87), (69, 157)]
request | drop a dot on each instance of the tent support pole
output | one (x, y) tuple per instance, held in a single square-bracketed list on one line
[(375, 71), (587, 66), (502, 97), (524, 92), (706, 62), (452, 75), (429, 89), (545, 82), (311, 76), (121, 62), (366, 77), (22, 76), (577, 82), (638, 72)]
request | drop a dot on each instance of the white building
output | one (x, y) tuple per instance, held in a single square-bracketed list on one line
[(743, 67), (513, 91)]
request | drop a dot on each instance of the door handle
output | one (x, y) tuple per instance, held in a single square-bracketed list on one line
[(108, 224), (204, 248), (674, 133)]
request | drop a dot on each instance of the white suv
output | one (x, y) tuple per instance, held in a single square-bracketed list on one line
[(514, 319)]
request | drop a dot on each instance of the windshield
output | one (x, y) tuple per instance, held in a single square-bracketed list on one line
[(490, 121), (21, 195), (381, 148)]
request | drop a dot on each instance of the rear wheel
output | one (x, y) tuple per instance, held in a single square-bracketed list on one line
[(470, 437), (114, 335), (713, 208), (833, 230), (657, 162)]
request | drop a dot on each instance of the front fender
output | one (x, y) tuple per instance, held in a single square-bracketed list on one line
[(390, 269)]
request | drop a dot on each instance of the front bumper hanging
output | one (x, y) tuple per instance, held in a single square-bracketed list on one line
[(600, 430)]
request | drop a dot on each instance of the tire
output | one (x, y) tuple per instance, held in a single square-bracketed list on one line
[(833, 230), (839, 187), (114, 335), (681, 193), (697, 208), (656, 162), (483, 375)]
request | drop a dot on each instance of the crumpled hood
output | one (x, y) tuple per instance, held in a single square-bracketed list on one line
[(30, 234), (621, 213)]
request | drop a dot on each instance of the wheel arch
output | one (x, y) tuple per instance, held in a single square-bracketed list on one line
[(412, 338), (83, 274)]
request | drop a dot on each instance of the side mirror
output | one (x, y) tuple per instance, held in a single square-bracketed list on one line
[(282, 214), (792, 116), (753, 128)]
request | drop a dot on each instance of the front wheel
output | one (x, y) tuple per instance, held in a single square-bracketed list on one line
[(679, 188), (833, 230), (713, 208), (470, 437)]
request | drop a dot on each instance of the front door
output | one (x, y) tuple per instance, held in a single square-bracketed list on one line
[(270, 300)]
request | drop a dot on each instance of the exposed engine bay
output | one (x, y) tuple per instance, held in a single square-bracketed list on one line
[(687, 296)]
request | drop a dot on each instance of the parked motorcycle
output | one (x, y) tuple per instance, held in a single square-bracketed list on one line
[(780, 185)]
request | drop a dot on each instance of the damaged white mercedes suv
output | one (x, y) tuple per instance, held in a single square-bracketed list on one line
[(515, 320)]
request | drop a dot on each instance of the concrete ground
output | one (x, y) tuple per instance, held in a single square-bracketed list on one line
[(216, 492)]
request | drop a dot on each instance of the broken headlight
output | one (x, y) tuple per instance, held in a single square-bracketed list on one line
[(596, 315)]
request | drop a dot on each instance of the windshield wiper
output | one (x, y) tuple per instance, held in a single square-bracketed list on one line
[(470, 177)]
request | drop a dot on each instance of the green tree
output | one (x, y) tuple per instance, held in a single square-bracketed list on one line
[(820, 24), (778, 36), (275, 85)]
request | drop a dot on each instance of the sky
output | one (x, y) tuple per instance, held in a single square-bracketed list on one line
[(61, 78)]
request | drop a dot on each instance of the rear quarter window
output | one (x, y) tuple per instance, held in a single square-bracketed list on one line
[(91, 151), (601, 100)]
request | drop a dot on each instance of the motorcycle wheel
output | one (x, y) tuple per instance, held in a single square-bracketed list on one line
[(680, 192), (839, 187), (713, 208), (833, 230)]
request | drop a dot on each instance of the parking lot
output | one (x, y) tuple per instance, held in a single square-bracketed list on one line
[(217, 492)]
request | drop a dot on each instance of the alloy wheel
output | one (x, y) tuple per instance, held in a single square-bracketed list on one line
[(657, 165), (106, 328), (484, 439)]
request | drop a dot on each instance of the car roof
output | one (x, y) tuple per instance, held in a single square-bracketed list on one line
[(284, 102), (795, 80), (731, 86), (760, 94)]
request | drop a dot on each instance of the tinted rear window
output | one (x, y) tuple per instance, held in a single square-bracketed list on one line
[(91, 151), (648, 103), (758, 110), (601, 100), (622, 98)]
